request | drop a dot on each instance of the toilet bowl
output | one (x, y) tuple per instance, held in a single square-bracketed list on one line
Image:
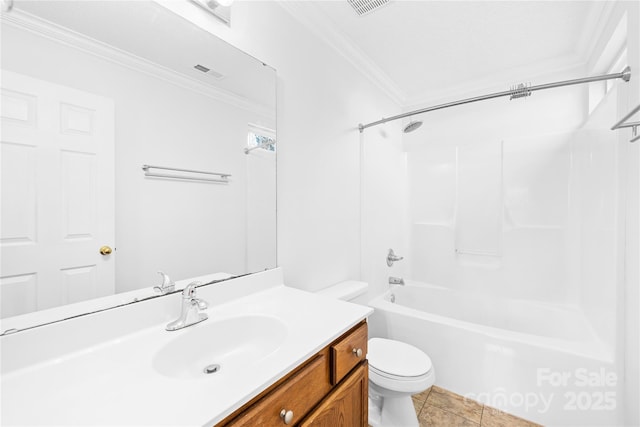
[(397, 370)]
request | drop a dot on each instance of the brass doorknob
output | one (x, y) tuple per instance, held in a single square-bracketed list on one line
[(105, 250)]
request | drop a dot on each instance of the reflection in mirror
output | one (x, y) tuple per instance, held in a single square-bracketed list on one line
[(92, 92)]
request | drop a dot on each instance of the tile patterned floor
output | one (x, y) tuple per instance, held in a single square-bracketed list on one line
[(437, 407)]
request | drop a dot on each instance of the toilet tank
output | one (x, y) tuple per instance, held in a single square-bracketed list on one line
[(347, 290)]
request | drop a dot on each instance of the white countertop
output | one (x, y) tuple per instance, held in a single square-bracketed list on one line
[(115, 383)]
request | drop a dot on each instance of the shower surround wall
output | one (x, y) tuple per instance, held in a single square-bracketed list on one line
[(553, 195), (517, 248), (489, 200), (520, 204), (595, 184)]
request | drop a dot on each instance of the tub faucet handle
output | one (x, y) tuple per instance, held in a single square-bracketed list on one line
[(392, 257)]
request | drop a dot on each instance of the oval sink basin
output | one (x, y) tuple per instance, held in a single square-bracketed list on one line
[(232, 343)]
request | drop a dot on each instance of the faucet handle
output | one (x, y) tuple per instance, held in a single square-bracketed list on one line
[(392, 257), (202, 304), (166, 286), (189, 291), (191, 307)]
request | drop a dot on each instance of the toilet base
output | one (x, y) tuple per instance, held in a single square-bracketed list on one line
[(392, 412), (375, 409)]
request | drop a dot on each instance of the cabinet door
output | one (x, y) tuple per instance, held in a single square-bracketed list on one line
[(346, 406)]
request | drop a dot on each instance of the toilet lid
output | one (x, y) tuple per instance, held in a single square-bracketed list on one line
[(397, 358)]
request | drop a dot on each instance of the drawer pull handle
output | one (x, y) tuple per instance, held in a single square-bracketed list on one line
[(357, 352), (287, 416)]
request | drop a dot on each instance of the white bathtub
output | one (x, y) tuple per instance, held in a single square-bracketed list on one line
[(539, 361)]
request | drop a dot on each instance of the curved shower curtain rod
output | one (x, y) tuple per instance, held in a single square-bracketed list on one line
[(519, 91)]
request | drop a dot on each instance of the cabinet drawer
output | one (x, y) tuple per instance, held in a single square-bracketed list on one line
[(344, 353), (298, 394)]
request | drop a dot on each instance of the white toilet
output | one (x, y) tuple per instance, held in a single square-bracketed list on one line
[(396, 371)]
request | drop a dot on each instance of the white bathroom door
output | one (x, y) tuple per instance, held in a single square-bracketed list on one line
[(57, 195)]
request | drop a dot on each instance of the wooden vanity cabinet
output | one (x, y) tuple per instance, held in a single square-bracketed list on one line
[(328, 389), (346, 405)]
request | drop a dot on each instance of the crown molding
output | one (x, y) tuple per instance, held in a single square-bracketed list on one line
[(28, 22), (314, 19)]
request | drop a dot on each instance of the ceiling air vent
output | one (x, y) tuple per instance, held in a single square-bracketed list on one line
[(363, 7), (208, 71)]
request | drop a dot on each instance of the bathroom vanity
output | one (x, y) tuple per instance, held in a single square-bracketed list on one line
[(283, 355), (330, 388)]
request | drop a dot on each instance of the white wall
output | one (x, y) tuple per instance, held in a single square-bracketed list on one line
[(630, 323), (261, 209), (384, 207), (321, 99), (593, 229), (627, 335), (186, 229)]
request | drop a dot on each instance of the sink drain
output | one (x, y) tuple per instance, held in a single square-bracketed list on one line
[(211, 369)]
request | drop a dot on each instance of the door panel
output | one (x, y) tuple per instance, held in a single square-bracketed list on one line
[(57, 180)]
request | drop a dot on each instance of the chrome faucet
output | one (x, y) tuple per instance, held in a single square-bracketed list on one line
[(396, 280), (191, 306), (167, 285)]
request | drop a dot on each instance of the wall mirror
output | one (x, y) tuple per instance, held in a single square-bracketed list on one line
[(92, 91)]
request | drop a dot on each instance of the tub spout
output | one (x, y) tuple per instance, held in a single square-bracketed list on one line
[(396, 280)]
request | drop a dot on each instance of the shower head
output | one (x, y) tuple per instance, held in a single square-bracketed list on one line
[(413, 125)]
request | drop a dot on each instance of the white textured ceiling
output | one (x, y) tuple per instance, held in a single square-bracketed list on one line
[(424, 50)]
